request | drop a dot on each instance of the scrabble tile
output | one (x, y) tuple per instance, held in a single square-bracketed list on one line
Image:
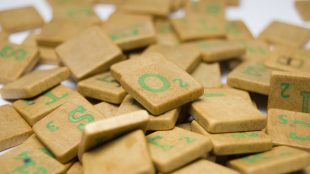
[(111, 157), (107, 109), (238, 115), (281, 159), (177, 4), (209, 75), (289, 59), (165, 121), (68, 3), (14, 129), (185, 56), (61, 130), (56, 32), (48, 55), (289, 128), (280, 33), (218, 50), (236, 143), (30, 157), (159, 8), (186, 126), (21, 21), (226, 91), (174, 148), (102, 87), (98, 59), (209, 8), (202, 166), (165, 34), (34, 83), (3, 36), (289, 91), (255, 49), (130, 31), (16, 60), (198, 27), (37, 108), (303, 7), (232, 2), (252, 76), (76, 168), (236, 30), (102, 131), (161, 87)]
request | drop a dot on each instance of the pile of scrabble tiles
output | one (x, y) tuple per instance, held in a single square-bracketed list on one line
[(149, 96)]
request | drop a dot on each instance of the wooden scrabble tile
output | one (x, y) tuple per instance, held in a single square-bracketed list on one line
[(102, 131), (102, 87), (232, 2), (303, 7), (252, 76), (186, 126), (111, 157), (161, 87), (68, 3), (280, 33), (165, 121), (236, 143), (209, 8), (159, 8), (35, 109), (255, 49), (238, 115), (281, 159), (21, 21), (225, 91), (98, 59), (48, 55), (3, 36), (202, 166), (61, 130), (174, 148), (107, 109), (218, 50), (185, 56), (177, 4), (289, 59), (14, 129), (209, 75), (56, 32), (16, 60), (289, 91), (165, 34), (236, 30), (130, 31), (76, 168), (34, 83), (289, 128)]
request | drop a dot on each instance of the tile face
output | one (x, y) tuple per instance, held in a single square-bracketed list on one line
[(161, 87), (303, 7), (289, 128), (99, 132), (130, 31), (201, 166), (281, 159), (186, 57), (252, 76), (34, 83), (98, 59), (236, 30), (14, 129), (165, 34), (280, 33), (76, 168), (16, 60), (127, 154), (238, 115), (107, 109), (159, 8), (198, 27), (209, 75), (102, 87), (21, 21), (226, 91), (175, 148), (289, 91), (255, 49), (30, 157), (35, 109), (61, 130), (209, 8)]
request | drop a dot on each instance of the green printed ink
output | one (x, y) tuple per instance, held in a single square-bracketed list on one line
[(73, 119), (27, 162), (284, 88), (53, 97), (294, 136), (305, 100), (232, 28), (302, 122), (187, 139), (254, 70), (48, 152), (131, 32), (165, 82), (153, 140), (213, 94), (50, 126), (29, 102), (252, 159), (245, 135), (109, 79), (74, 12), (204, 26), (7, 52), (181, 83), (255, 50), (213, 9), (282, 118), (165, 28), (41, 170)]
